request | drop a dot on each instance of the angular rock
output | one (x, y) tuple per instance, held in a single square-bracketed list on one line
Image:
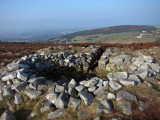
[(155, 67), (115, 85), (62, 100), (81, 88), (72, 83), (59, 88), (20, 86), (105, 106), (111, 96), (126, 108), (74, 102), (7, 91), (142, 73), (92, 89), (35, 82), (5, 78), (18, 99), (116, 60), (100, 90), (117, 75), (33, 93), (52, 97), (7, 115), (9, 76), (86, 97), (124, 95), (72, 91), (23, 76), (56, 113), (52, 89), (42, 87), (105, 83), (13, 66), (84, 82), (135, 78), (91, 83)]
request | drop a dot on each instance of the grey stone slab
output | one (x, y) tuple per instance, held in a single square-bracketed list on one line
[(52, 97), (86, 97), (124, 95), (105, 106), (62, 100), (33, 93)]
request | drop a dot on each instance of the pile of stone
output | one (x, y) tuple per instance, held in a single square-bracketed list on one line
[(24, 76), (85, 60)]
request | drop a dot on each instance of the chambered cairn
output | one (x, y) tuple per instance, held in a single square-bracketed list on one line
[(77, 83)]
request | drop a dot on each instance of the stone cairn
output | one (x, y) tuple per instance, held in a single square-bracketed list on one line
[(27, 76)]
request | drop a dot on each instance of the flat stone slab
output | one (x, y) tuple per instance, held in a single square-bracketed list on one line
[(55, 114), (33, 93), (127, 82), (124, 95), (117, 75), (86, 97), (105, 106)]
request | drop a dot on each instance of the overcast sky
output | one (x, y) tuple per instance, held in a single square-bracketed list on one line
[(32, 15)]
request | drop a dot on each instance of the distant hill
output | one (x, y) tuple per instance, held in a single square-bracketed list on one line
[(132, 33)]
